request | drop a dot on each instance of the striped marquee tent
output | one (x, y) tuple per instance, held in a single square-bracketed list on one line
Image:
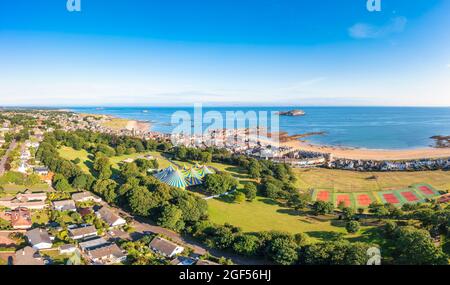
[(163, 173), (204, 170), (175, 179), (192, 177), (187, 177)]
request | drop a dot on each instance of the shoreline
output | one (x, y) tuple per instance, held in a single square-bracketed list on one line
[(118, 123), (341, 152), (371, 154)]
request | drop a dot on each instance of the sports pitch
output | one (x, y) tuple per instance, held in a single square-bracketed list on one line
[(417, 193)]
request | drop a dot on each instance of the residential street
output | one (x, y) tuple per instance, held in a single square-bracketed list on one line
[(143, 226), (5, 157)]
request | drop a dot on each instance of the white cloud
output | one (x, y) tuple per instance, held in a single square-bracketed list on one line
[(368, 31)]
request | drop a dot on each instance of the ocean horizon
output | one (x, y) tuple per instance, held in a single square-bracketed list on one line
[(358, 127)]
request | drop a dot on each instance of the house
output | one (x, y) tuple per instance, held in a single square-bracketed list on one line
[(21, 219), (64, 205), (39, 239), (206, 262), (28, 256), (67, 249), (48, 178), (41, 170), (25, 155), (107, 254), (23, 168), (14, 204), (93, 243), (112, 219), (83, 232), (117, 234), (85, 197), (165, 247), (27, 197), (182, 260)]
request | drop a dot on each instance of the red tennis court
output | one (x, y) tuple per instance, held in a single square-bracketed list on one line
[(364, 200), (410, 196), (391, 198), (323, 196), (343, 198), (426, 190)]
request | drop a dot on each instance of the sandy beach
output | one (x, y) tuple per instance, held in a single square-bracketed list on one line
[(139, 126), (372, 154)]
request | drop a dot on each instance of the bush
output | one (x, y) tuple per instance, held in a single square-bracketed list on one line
[(352, 227)]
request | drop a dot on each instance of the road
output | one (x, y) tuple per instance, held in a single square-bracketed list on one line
[(5, 157), (143, 225)]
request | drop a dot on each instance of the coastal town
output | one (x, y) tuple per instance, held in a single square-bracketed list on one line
[(48, 218), (85, 230)]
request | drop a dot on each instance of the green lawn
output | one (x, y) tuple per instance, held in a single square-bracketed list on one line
[(86, 163), (353, 181), (40, 217), (71, 154), (265, 215), (55, 256)]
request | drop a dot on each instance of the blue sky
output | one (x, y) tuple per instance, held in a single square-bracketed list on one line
[(225, 52)]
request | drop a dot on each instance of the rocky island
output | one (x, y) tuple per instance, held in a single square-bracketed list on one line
[(292, 113)]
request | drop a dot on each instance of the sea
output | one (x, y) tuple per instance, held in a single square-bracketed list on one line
[(356, 127)]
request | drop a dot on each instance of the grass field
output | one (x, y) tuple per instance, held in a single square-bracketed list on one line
[(266, 215), (352, 181), (86, 163), (116, 123)]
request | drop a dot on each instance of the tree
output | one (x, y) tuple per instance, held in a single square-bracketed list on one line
[(254, 169), (171, 217), (298, 201), (129, 170), (246, 244), (223, 236), (415, 247), (107, 189), (83, 181), (103, 167), (250, 191), (193, 208), (239, 197), (322, 207), (180, 153), (272, 191), (220, 183), (378, 209), (352, 227), (205, 157), (63, 185), (283, 250), (139, 201), (339, 252), (348, 213)]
